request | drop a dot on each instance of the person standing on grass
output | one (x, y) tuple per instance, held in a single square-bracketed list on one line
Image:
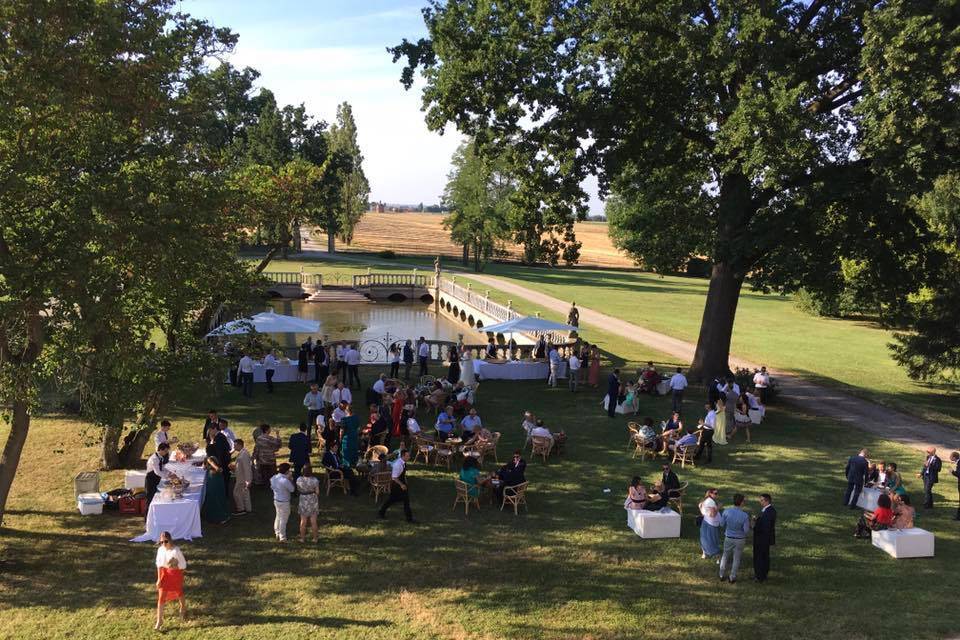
[(353, 366), (613, 392), (678, 382), (761, 380), (856, 472), (395, 360), (282, 486), (270, 363), (170, 565), (423, 355), (930, 475), (573, 371), (300, 447), (246, 374), (308, 505), (313, 401), (407, 359), (242, 480), (955, 459), (554, 357), (399, 491), (706, 434), (155, 470), (736, 525), (764, 537), (268, 444), (321, 362)]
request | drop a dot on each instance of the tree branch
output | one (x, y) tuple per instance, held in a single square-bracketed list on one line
[(824, 102), (807, 16), (708, 15)]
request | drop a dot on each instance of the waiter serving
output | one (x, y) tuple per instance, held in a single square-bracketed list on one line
[(155, 472)]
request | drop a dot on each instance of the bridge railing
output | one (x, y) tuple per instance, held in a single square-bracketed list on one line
[(366, 281), (479, 302), (294, 277)]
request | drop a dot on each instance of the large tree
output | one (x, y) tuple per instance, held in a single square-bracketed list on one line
[(354, 190), (478, 194), (737, 130), (87, 90)]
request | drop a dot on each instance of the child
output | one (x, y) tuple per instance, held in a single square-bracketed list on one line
[(170, 582)]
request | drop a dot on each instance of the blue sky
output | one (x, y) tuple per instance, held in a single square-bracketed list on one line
[(322, 52)]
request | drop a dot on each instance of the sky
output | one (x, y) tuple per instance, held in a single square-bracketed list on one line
[(324, 52)]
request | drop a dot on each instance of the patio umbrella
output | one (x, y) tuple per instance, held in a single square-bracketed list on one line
[(266, 322), (527, 324)]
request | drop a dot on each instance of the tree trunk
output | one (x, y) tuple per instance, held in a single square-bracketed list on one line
[(297, 239), (476, 258), (19, 427), (331, 242), (716, 328), (466, 254), (131, 454), (109, 448)]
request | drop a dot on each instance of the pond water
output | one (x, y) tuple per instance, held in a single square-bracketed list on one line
[(385, 322)]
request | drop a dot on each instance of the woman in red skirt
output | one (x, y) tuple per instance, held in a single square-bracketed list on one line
[(170, 567)]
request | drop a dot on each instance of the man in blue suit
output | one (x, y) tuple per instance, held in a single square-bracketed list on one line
[(857, 468), (300, 449)]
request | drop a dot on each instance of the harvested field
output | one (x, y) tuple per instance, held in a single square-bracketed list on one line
[(423, 233)]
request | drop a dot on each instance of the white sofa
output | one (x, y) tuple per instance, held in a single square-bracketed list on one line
[(654, 524), (904, 543)]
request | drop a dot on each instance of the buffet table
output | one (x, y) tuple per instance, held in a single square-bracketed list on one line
[(516, 370), (281, 372), (179, 516)]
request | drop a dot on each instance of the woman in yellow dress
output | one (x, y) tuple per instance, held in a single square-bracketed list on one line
[(720, 430)]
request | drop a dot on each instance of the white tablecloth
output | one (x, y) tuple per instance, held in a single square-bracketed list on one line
[(868, 499), (180, 517), (281, 372), (517, 370)]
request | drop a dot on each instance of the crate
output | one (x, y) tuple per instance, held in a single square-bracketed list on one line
[(86, 482), (90, 504), (129, 505)]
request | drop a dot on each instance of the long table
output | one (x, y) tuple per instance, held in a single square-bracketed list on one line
[(181, 517), (281, 372), (516, 370), (868, 498)]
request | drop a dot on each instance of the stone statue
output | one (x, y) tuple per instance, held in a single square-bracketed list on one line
[(573, 317)]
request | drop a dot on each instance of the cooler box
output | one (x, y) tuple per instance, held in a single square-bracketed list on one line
[(135, 480), (86, 482), (90, 504)]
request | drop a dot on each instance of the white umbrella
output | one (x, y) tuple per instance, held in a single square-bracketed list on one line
[(267, 322), (528, 324)]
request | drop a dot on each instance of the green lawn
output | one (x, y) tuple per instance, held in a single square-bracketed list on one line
[(568, 568)]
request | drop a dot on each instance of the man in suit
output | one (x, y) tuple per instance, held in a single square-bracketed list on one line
[(670, 481), (764, 537), (929, 474), (300, 449), (331, 460), (857, 469), (212, 419), (243, 479), (613, 392), (222, 447), (321, 363), (511, 474)]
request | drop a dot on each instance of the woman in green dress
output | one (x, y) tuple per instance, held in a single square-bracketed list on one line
[(215, 496), (469, 474), (720, 427), (350, 425)]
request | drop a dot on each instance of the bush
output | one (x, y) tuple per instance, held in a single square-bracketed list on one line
[(389, 254), (699, 268), (817, 304)]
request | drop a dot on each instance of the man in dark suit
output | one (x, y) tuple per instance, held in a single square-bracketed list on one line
[(857, 468), (930, 474), (222, 447), (764, 537), (321, 363), (331, 461), (300, 449), (212, 419), (671, 483), (613, 392), (511, 474)]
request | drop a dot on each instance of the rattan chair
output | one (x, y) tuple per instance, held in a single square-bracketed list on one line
[(542, 446), (463, 495), (335, 478), (516, 496), (380, 483), (633, 430), (424, 449), (443, 454), (643, 447), (684, 455), (677, 499)]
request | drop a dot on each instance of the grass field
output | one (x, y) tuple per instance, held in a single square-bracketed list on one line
[(409, 233), (568, 568)]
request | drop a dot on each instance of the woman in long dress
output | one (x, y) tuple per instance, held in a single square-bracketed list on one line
[(350, 425), (308, 505), (593, 379), (720, 428), (710, 527), (467, 374), (453, 372), (215, 498)]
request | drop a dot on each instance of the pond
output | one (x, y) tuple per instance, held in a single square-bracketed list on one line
[(384, 322)]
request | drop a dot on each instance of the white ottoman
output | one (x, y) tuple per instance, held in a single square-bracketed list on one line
[(904, 543), (868, 498), (654, 524), (135, 480)]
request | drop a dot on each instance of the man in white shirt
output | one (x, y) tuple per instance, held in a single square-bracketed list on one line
[(379, 386), (246, 374), (470, 424), (313, 401), (155, 470), (730, 388), (706, 440), (554, 358), (282, 486), (162, 436), (423, 355), (341, 359), (573, 371), (678, 382), (228, 433), (541, 431), (342, 394), (353, 366), (398, 487), (761, 381), (270, 363)]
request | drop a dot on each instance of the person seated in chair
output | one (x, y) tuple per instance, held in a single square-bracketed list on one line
[(657, 498), (670, 481), (511, 474), (636, 494), (461, 398), (877, 520), (333, 465), (437, 396), (469, 426), (687, 440), (903, 512), (445, 424), (541, 431), (380, 429)]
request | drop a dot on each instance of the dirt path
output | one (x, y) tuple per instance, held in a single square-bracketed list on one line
[(812, 398)]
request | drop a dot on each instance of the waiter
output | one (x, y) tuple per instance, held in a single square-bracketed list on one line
[(398, 487), (155, 472)]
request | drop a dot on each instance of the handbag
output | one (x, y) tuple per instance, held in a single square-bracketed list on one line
[(699, 520)]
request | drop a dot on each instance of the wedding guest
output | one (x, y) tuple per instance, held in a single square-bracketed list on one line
[(764, 537), (242, 480), (213, 418), (162, 436), (313, 401), (268, 444), (308, 505), (929, 474), (215, 508), (573, 371), (300, 447), (678, 382), (246, 374), (670, 481), (469, 425), (155, 471), (270, 363), (221, 448), (334, 466), (856, 471), (894, 481), (470, 474), (710, 524), (511, 474), (445, 424), (636, 494), (321, 362), (303, 362), (613, 392), (353, 366), (399, 491), (593, 376), (282, 485), (407, 359), (903, 512), (657, 498), (878, 520), (955, 459), (736, 525), (350, 438), (170, 565), (342, 395), (326, 394), (706, 434)]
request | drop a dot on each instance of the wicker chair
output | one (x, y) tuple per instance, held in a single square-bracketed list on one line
[(427, 380), (633, 430), (463, 495), (677, 499), (443, 454), (643, 447), (516, 496), (492, 446), (380, 483), (542, 446), (424, 449), (474, 451), (335, 478), (684, 455)]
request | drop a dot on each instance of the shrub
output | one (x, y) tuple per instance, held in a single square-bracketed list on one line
[(699, 268), (389, 254)]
